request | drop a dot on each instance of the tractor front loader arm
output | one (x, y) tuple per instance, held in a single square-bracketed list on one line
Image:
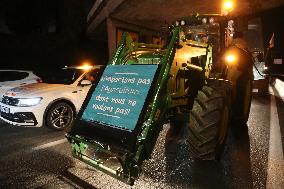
[(160, 103), (115, 149)]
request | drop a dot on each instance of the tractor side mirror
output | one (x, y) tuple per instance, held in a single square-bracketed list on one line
[(260, 57)]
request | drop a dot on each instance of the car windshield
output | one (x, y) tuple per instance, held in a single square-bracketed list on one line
[(64, 76), (12, 75)]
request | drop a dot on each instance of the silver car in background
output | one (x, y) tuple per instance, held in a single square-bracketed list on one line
[(15, 78)]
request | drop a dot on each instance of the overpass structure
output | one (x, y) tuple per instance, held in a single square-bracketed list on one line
[(148, 17)]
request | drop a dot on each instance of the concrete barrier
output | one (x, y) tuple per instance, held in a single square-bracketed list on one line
[(279, 86)]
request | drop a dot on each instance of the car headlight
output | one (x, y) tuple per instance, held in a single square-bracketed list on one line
[(26, 102)]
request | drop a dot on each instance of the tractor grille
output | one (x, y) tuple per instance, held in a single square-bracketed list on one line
[(10, 101)]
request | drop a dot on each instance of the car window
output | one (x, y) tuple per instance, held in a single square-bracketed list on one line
[(91, 75), (63, 76), (12, 75)]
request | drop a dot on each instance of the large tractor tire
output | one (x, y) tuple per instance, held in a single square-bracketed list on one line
[(242, 101), (209, 120)]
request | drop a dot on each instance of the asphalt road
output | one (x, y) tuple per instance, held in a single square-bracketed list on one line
[(253, 158)]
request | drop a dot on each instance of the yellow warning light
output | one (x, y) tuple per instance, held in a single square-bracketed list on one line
[(228, 5), (86, 66)]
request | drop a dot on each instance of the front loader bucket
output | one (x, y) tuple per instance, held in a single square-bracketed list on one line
[(120, 120)]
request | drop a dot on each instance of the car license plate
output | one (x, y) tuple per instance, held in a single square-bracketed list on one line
[(4, 109)]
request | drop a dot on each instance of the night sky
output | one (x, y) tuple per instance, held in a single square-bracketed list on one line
[(39, 34)]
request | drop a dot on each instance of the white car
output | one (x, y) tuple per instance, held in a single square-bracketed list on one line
[(54, 103), (15, 78)]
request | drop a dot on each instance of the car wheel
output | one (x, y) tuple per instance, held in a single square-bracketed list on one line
[(60, 116)]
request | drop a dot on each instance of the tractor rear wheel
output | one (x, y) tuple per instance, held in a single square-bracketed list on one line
[(209, 120), (242, 102)]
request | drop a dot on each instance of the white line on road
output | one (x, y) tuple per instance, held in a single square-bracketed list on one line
[(275, 170), (50, 144)]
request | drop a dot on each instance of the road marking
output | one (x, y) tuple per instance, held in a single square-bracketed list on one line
[(50, 144), (275, 170)]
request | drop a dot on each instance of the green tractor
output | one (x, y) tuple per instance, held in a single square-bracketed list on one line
[(196, 84)]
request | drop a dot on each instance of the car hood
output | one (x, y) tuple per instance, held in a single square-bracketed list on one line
[(6, 86), (3, 89), (35, 89)]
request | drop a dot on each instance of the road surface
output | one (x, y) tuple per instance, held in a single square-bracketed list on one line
[(253, 158)]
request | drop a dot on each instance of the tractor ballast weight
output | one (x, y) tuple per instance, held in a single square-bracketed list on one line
[(144, 87)]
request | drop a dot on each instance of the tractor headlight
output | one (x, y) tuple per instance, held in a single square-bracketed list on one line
[(27, 102), (177, 23), (230, 59), (211, 20)]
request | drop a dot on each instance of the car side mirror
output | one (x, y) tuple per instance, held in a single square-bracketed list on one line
[(85, 82)]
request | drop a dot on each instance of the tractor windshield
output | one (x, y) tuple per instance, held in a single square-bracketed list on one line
[(200, 36), (204, 34)]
